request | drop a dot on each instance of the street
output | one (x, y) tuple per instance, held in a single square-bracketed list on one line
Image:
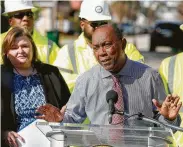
[(154, 59)]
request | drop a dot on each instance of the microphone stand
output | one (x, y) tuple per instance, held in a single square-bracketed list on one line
[(151, 120), (119, 112), (115, 111), (152, 140), (147, 119)]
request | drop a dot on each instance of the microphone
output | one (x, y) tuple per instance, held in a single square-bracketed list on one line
[(111, 98)]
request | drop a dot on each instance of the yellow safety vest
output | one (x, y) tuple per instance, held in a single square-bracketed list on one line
[(75, 59), (46, 49), (171, 71)]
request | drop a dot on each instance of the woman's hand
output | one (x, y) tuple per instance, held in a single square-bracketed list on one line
[(50, 113), (170, 107), (11, 138)]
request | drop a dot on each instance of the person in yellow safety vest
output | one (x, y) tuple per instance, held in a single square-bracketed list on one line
[(76, 58), (171, 71), (20, 13)]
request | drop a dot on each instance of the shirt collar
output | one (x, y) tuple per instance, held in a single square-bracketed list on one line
[(127, 68), (125, 71)]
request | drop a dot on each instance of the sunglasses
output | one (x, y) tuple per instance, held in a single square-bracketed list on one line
[(97, 24), (20, 15)]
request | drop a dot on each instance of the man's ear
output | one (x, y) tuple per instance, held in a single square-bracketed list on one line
[(82, 23), (123, 43), (10, 21)]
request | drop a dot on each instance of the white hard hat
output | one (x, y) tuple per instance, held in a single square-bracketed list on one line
[(17, 5), (181, 27), (95, 10)]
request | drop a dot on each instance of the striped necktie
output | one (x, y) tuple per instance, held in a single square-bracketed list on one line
[(116, 118), (116, 135)]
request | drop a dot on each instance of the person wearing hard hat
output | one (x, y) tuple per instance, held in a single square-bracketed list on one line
[(75, 58), (21, 13), (171, 71)]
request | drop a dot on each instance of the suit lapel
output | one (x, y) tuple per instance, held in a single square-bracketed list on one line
[(7, 82), (48, 85)]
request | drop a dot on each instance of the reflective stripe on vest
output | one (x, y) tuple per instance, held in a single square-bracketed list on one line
[(65, 70), (71, 53), (72, 56), (50, 44), (171, 74)]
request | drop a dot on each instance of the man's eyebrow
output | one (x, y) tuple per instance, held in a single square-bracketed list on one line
[(95, 44)]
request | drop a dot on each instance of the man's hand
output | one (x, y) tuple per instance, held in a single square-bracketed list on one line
[(11, 138), (170, 107), (50, 113)]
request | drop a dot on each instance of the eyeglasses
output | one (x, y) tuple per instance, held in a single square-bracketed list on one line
[(95, 24), (20, 15)]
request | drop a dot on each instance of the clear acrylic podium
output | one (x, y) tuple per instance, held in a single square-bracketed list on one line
[(64, 135)]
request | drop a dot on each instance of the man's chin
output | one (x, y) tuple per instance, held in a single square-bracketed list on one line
[(27, 28), (108, 68)]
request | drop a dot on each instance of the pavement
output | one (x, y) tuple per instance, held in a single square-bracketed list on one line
[(153, 59)]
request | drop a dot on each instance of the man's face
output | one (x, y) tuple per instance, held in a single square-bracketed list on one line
[(108, 49), (88, 27), (22, 19)]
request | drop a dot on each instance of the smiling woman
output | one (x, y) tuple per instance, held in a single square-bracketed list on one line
[(26, 84)]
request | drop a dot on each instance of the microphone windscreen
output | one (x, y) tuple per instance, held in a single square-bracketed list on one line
[(111, 95)]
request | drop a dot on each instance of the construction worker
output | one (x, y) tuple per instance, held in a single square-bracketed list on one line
[(75, 58), (171, 71), (20, 13)]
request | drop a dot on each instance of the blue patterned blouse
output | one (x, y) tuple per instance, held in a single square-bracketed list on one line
[(29, 95)]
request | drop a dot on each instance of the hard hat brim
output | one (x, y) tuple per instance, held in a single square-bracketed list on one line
[(96, 18), (20, 9)]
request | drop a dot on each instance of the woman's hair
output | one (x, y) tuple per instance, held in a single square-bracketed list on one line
[(10, 38)]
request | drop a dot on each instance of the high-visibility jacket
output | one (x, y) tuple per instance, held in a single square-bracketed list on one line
[(75, 59), (46, 49), (171, 71)]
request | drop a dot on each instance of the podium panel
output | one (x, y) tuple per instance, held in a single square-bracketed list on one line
[(104, 135)]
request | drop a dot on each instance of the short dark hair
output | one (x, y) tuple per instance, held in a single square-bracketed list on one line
[(9, 40), (117, 31)]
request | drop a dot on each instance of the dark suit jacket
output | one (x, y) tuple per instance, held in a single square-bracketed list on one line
[(55, 89)]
